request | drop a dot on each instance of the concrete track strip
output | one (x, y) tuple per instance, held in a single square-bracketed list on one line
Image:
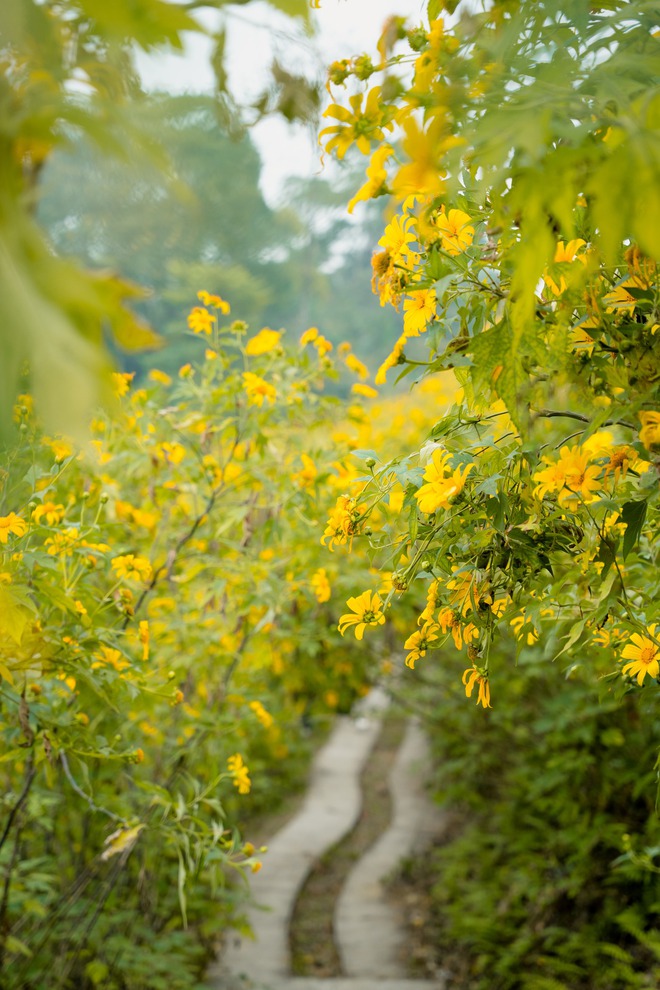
[(330, 811), (368, 930)]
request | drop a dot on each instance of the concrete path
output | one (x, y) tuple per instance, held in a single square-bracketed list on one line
[(362, 907), (368, 933)]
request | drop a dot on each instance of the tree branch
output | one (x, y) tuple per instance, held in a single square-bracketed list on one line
[(565, 414)]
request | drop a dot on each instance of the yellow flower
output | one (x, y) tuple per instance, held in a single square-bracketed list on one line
[(391, 361), (210, 300), (564, 254), (397, 238), (308, 336), (61, 448), (307, 476), (620, 459), (263, 342), (376, 176), (456, 231), (354, 364), (366, 390), (11, 524), (322, 345), (644, 655), (131, 567), (418, 642), (619, 300), (62, 543), (523, 628), (432, 601), (263, 716), (473, 676), (418, 310), (111, 658), (200, 320), (186, 371), (463, 587), (441, 483), (240, 773), (171, 452), (258, 391), (159, 376), (143, 633), (122, 381), (649, 434), (342, 523), (424, 150), (357, 126), (367, 610), (320, 585), (570, 476)]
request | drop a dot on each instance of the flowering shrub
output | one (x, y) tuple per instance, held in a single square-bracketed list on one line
[(166, 627), (532, 504)]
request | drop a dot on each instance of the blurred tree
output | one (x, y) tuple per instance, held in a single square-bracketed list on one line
[(66, 72), (203, 223), (174, 230)]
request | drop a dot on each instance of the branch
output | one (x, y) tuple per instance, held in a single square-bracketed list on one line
[(554, 413)]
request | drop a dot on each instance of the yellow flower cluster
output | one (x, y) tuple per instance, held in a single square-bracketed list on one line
[(258, 390), (320, 585), (343, 523), (240, 773), (442, 484), (131, 567)]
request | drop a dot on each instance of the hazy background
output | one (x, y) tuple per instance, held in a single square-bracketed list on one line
[(247, 212)]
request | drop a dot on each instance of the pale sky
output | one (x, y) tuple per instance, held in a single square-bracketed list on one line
[(257, 34)]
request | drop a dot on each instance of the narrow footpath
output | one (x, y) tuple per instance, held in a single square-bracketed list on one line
[(368, 930)]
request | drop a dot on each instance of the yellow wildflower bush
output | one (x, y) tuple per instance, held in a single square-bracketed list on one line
[(529, 509)]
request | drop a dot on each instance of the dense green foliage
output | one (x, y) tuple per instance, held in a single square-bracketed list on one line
[(66, 71), (524, 253), (547, 879)]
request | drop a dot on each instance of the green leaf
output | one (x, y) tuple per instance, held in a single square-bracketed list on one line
[(574, 634), (97, 971), (633, 515), (293, 8), (606, 554), (13, 944), (13, 615)]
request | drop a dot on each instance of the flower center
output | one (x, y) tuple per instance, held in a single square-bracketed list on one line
[(647, 654)]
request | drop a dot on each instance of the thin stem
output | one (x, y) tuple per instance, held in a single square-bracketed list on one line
[(90, 801), (30, 774)]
